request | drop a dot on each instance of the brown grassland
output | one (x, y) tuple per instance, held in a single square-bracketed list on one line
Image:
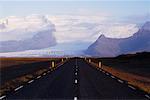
[(8, 62), (133, 68)]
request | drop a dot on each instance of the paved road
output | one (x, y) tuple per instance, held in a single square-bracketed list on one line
[(75, 78)]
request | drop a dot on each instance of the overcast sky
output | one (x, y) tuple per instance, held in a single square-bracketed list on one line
[(117, 8), (79, 20)]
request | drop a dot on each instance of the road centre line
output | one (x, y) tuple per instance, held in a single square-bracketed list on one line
[(76, 69), (75, 98), (76, 73), (76, 81)]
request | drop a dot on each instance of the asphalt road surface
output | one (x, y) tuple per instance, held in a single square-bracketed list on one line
[(76, 79)]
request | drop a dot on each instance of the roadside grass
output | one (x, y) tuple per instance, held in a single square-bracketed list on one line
[(12, 61), (12, 84), (141, 82)]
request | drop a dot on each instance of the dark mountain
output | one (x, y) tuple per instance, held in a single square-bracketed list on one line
[(110, 47), (138, 55)]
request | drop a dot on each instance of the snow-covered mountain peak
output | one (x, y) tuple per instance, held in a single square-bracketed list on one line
[(102, 36)]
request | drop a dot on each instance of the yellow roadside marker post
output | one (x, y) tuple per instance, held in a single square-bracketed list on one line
[(62, 59), (50, 65), (100, 64), (89, 60), (85, 58), (53, 64)]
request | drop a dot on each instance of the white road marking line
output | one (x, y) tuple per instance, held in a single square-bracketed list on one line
[(107, 73), (131, 87), (103, 71), (60, 65), (76, 81), (44, 74), (2, 97), (76, 73), (38, 77), (18, 87), (100, 69), (112, 77), (147, 96), (76, 69), (76, 66), (120, 81), (75, 98), (48, 72), (31, 81)]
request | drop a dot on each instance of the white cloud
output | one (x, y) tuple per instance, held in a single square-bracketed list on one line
[(88, 28), (74, 28), (117, 30), (26, 33), (20, 28), (69, 28)]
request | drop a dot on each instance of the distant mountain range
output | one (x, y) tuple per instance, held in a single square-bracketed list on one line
[(111, 47), (36, 35)]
